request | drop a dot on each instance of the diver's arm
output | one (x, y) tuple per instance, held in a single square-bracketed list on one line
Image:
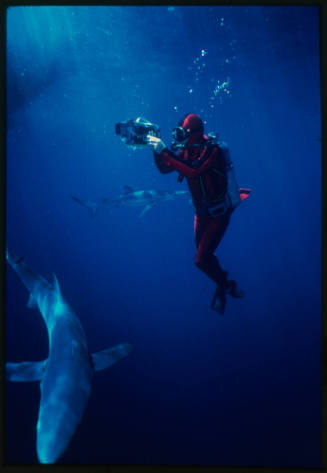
[(185, 169), (162, 163), (167, 161), (160, 151)]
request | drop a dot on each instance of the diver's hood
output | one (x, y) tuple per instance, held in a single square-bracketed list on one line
[(193, 123)]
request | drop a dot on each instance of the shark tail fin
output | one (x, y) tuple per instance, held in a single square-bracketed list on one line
[(13, 259), (105, 358), (26, 371), (92, 206)]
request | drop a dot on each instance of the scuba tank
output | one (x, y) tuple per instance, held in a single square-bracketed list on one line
[(233, 190), (232, 196)]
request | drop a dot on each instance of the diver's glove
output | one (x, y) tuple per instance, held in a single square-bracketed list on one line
[(157, 144)]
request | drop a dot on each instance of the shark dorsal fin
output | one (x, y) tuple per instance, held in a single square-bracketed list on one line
[(128, 189)]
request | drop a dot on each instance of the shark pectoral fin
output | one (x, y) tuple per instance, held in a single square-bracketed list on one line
[(31, 304), (105, 358), (147, 208), (26, 371)]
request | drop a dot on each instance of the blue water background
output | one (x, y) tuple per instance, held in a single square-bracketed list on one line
[(242, 389)]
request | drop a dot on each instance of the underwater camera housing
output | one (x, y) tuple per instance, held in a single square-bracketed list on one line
[(134, 132)]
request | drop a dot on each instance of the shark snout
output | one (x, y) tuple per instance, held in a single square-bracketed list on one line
[(52, 440), (47, 451), (44, 458)]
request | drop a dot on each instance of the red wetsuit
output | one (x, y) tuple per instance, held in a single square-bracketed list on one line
[(204, 167)]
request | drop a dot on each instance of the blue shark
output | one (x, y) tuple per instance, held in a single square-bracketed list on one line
[(66, 375), (133, 198)]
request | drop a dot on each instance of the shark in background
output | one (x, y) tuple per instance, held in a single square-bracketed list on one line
[(132, 198), (66, 375)]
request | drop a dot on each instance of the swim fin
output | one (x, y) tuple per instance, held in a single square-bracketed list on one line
[(234, 290), (219, 300)]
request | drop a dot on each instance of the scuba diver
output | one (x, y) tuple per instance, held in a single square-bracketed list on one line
[(210, 176)]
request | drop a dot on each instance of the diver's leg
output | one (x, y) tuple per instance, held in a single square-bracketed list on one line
[(208, 234)]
